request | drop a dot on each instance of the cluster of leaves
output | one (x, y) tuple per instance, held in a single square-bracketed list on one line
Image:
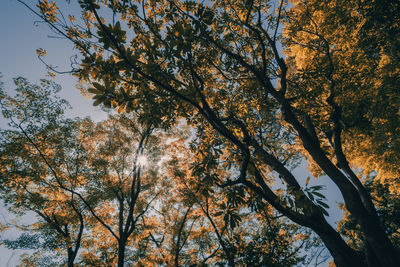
[(240, 229), (93, 201), (363, 66)]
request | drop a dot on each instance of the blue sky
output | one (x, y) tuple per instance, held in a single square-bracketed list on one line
[(21, 36)]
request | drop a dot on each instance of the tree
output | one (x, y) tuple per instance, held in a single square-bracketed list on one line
[(218, 65), (74, 174), (360, 65), (120, 186), (38, 140), (360, 75)]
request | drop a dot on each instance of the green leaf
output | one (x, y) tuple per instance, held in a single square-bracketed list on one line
[(324, 211), (98, 86), (319, 195), (97, 102), (94, 91), (323, 204), (218, 213)]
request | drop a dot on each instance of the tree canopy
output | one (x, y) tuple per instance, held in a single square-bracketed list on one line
[(264, 85), (118, 192)]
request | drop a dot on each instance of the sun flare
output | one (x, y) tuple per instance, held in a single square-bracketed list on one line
[(142, 160)]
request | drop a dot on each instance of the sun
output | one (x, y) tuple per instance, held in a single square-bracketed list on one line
[(142, 160)]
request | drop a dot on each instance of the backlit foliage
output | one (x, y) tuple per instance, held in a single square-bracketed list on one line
[(264, 85), (93, 199), (345, 43)]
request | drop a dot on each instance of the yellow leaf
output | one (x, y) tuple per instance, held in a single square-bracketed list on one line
[(41, 52)]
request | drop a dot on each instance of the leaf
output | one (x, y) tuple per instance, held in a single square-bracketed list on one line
[(41, 52), (99, 87), (94, 91), (97, 102), (324, 211), (323, 204), (316, 187), (218, 213), (319, 195)]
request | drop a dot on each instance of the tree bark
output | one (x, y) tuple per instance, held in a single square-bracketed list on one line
[(121, 251), (369, 221), (71, 257), (342, 254)]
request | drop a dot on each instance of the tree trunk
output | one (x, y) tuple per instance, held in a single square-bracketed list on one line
[(71, 258), (342, 254), (368, 220), (380, 248), (370, 256), (121, 251), (376, 253)]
